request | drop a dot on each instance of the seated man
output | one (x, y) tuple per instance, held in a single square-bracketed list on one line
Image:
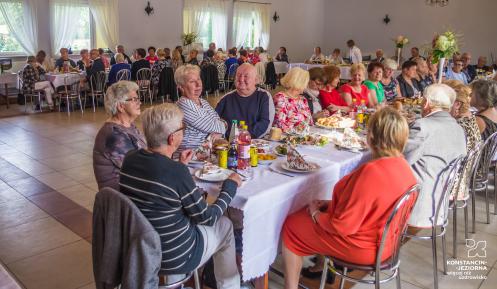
[(231, 59), (481, 67), (85, 59), (64, 58), (120, 49), (434, 142), (379, 56), (140, 62), (191, 231), (95, 66), (253, 105), (415, 54)]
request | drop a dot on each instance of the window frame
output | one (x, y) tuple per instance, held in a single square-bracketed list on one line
[(13, 54)]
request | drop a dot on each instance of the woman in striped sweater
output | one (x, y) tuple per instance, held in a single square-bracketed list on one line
[(201, 119)]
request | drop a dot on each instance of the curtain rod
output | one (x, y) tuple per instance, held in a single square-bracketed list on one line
[(254, 2)]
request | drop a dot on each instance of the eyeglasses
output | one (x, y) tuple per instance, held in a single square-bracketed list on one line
[(133, 99), (182, 127), (459, 64)]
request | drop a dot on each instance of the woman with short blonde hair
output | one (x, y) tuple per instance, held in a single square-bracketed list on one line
[(387, 133), (355, 90), (158, 66), (292, 110)]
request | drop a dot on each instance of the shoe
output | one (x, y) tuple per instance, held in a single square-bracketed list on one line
[(330, 278)]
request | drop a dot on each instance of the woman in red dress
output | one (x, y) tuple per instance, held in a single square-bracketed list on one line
[(349, 226), (355, 90), (329, 96)]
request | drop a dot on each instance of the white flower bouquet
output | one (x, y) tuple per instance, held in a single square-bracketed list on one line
[(444, 46), (401, 41)]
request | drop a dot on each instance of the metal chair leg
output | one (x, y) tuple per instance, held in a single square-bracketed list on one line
[(324, 274), (68, 108), (342, 280), (454, 230), (495, 191), (435, 262), (80, 105), (487, 204), (444, 254), (466, 235), (398, 279), (196, 279), (473, 211)]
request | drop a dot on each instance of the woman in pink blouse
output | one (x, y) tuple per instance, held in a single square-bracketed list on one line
[(292, 111), (355, 90)]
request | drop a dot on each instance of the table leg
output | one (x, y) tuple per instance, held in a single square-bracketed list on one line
[(7, 94), (262, 282)]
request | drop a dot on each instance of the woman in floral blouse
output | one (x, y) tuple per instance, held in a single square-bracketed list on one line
[(292, 111)]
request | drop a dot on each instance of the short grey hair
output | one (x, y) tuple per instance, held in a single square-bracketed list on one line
[(159, 122), (119, 58), (390, 63), (182, 71), (440, 96), (485, 92), (118, 93)]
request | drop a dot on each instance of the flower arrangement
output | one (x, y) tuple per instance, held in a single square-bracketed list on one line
[(401, 41), (444, 46), (189, 38)]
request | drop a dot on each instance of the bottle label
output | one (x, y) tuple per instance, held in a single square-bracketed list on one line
[(232, 162), (244, 151)]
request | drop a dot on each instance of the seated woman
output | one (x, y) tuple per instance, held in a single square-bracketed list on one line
[(201, 120), (118, 135), (311, 93), (375, 75), (330, 97), (348, 226), (177, 59), (335, 57), (354, 93), (120, 65), (407, 80), (158, 66), (244, 57), (484, 98), (33, 78), (192, 57), (424, 77), (292, 112), (317, 57), (390, 84), (282, 56), (151, 57), (104, 58)]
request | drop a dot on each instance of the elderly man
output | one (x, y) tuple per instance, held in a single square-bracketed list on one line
[(468, 69), (95, 66), (253, 105), (434, 142), (415, 54), (355, 54), (379, 56), (481, 67), (212, 47), (120, 49), (85, 59), (191, 231), (64, 58)]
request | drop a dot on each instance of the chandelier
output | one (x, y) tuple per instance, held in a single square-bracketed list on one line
[(440, 3)]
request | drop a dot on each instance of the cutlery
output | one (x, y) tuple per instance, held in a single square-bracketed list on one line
[(281, 173)]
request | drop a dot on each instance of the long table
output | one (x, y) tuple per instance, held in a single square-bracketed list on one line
[(268, 198)]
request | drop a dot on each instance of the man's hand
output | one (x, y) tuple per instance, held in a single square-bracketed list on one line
[(236, 178), (186, 156)]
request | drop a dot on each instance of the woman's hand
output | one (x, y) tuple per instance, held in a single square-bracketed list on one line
[(215, 136), (186, 156), (318, 205), (321, 114)]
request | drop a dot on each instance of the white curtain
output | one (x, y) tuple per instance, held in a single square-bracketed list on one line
[(25, 28), (64, 15), (105, 15), (197, 14), (243, 15)]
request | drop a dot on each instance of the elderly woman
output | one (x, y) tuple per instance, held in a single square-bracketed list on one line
[(192, 57), (336, 58), (45, 61), (329, 95), (177, 59), (292, 111), (33, 76), (390, 84), (317, 57), (118, 135), (151, 57), (201, 120), (460, 111), (347, 226), (375, 75), (311, 93), (424, 77), (407, 80), (157, 67), (484, 99), (355, 93), (120, 65)]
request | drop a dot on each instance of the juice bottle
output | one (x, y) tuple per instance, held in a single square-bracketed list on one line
[(244, 142)]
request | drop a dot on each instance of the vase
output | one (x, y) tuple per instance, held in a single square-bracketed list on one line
[(441, 63), (399, 56)]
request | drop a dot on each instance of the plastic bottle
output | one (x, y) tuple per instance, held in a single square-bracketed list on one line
[(361, 111), (244, 142), (234, 131)]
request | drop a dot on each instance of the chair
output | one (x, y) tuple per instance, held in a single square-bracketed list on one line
[(231, 74), (32, 93), (450, 173), (221, 74), (479, 176), (71, 92), (123, 74), (261, 74), (462, 203), (97, 87), (393, 230), (144, 80)]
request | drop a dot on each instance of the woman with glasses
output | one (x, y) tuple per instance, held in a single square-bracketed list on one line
[(203, 122), (118, 135)]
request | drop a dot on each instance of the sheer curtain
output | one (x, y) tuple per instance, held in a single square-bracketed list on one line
[(64, 15), (244, 14), (197, 14), (104, 13), (24, 28)]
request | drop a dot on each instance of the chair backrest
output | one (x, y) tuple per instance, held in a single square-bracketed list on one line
[(469, 163), (232, 69), (486, 156), (261, 72), (97, 81), (71, 87), (221, 71), (396, 226), (144, 74), (123, 74)]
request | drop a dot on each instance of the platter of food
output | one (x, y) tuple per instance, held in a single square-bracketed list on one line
[(309, 140), (335, 121), (266, 158), (349, 140), (212, 173)]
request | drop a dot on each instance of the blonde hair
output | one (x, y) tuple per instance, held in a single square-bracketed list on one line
[(161, 53), (463, 93), (159, 122), (295, 78), (356, 67), (390, 63), (118, 93), (182, 71), (387, 132), (119, 58)]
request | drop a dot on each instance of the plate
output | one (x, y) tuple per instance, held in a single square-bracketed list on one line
[(221, 176), (267, 162), (286, 167)]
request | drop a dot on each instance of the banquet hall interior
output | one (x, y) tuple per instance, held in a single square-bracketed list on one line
[(330, 109)]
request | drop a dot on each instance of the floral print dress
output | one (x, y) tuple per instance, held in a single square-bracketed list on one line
[(292, 114)]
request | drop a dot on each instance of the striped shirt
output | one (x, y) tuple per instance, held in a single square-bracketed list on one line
[(166, 194), (201, 121)]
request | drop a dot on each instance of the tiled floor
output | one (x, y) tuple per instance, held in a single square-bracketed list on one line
[(47, 189)]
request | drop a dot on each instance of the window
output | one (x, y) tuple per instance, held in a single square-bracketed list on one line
[(82, 36), (252, 38), (8, 43), (208, 19), (251, 23)]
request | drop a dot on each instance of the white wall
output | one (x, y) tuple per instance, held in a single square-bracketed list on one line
[(362, 21)]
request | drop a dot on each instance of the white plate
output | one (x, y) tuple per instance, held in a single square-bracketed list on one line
[(217, 177), (284, 165), (268, 162)]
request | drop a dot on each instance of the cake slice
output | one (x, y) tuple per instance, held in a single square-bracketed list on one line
[(296, 161)]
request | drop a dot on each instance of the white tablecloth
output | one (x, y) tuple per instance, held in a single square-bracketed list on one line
[(280, 67), (269, 198), (344, 70), (58, 79), (8, 78)]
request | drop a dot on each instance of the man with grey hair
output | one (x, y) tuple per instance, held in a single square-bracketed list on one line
[(120, 49), (191, 231), (249, 103), (435, 140), (379, 56)]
